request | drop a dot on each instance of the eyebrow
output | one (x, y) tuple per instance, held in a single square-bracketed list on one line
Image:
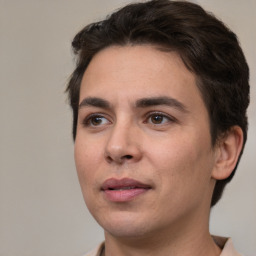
[(156, 101), (141, 103), (94, 102)]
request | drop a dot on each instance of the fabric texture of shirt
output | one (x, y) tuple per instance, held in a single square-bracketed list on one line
[(226, 244)]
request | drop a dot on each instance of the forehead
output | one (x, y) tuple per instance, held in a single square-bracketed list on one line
[(128, 72)]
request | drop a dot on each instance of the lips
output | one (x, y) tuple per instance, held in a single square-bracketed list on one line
[(123, 190)]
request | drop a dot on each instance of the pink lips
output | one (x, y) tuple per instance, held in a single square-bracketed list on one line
[(123, 190)]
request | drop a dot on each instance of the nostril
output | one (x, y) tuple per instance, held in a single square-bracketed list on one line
[(123, 158), (127, 156), (109, 159)]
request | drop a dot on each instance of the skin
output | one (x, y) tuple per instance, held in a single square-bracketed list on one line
[(166, 146)]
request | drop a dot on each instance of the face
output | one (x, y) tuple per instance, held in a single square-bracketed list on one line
[(143, 148)]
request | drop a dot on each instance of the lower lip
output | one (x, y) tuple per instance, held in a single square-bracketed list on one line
[(124, 195)]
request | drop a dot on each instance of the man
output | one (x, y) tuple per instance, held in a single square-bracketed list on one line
[(159, 99)]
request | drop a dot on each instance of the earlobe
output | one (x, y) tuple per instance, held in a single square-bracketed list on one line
[(227, 151)]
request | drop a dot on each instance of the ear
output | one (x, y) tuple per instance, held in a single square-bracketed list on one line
[(227, 152)]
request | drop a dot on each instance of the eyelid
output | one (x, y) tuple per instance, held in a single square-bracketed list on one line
[(151, 113), (88, 118)]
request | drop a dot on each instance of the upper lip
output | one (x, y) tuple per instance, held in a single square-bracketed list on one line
[(113, 183)]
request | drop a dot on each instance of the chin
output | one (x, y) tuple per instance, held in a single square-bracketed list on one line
[(126, 231), (125, 226)]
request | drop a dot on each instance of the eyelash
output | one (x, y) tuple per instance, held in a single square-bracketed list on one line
[(152, 114), (87, 122)]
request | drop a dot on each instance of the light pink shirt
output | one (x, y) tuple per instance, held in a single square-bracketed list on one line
[(225, 243)]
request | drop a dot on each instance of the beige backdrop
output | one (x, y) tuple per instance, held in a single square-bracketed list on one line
[(41, 207)]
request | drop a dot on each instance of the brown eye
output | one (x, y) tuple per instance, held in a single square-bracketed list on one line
[(159, 119), (96, 120), (156, 119)]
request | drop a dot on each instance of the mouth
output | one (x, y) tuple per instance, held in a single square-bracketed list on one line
[(123, 190)]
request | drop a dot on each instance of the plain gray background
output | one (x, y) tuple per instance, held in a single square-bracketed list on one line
[(42, 212)]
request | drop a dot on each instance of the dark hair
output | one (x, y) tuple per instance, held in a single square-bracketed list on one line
[(207, 47)]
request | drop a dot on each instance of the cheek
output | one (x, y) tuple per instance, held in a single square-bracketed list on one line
[(183, 172), (182, 160), (170, 152), (86, 160)]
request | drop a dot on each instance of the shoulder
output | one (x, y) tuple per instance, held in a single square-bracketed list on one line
[(227, 246), (97, 251)]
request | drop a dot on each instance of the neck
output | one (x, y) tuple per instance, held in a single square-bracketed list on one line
[(195, 246)]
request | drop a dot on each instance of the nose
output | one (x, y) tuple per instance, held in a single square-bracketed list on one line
[(123, 145)]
